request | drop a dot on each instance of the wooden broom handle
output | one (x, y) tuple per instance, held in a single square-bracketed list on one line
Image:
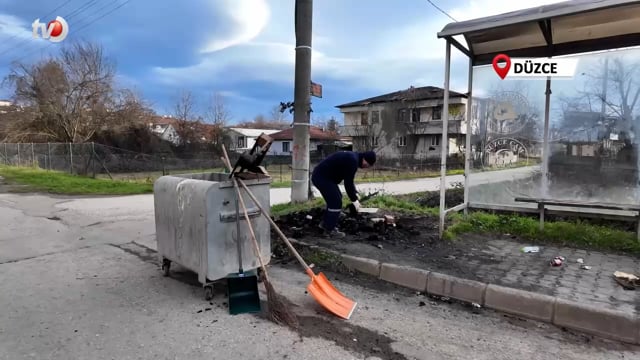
[(275, 227), (254, 242)]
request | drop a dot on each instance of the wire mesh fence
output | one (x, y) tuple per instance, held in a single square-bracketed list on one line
[(99, 160), (94, 159)]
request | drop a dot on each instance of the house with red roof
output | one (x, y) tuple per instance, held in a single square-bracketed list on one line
[(318, 137)]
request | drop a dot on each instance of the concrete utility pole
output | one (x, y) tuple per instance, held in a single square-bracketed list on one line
[(302, 102)]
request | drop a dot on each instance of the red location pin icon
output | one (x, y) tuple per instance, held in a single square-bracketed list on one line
[(502, 71)]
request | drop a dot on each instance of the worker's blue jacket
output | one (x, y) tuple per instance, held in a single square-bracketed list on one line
[(337, 167)]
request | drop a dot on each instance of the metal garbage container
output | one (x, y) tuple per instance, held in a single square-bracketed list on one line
[(195, 218)]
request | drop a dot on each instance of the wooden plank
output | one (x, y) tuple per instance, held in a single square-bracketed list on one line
[(555, 212), (584, 204), (456, 208)]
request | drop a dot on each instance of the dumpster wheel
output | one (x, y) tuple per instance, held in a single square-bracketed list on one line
[(166, 267), (208, 292)]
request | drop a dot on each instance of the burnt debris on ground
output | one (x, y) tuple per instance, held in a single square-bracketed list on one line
[(387, 236), (413, 240)]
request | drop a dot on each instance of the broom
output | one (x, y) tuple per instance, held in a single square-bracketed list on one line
[(279, 311)]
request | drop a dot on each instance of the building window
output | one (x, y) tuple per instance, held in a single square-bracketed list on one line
[(364, 118), (375, 117), (437, 113), (374, 141), (435, 140), (403, 116), (240, 142), (402, 141), (415, 115), (285, 147)]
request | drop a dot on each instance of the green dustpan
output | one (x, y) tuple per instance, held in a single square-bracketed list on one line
[(243, 294), (243, 286)]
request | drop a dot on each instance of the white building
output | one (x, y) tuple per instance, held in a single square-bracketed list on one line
[(243, 139), (163, 128), (283, 140), (406, 123)]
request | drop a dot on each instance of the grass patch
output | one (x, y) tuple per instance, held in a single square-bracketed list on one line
[(564, 233), (57, 182), (398, 204), (288, 208)]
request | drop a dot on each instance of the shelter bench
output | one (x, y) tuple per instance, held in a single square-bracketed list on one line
[(542, 203)]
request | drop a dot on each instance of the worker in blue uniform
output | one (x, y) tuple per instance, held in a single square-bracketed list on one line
[(336, 168)]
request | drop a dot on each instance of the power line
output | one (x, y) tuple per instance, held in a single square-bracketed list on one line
[(442, 11), (73, 13), (46, 16), (103, 15), (91, 22), (82, 8)]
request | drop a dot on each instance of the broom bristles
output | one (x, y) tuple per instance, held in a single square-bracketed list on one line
[(279, 310)]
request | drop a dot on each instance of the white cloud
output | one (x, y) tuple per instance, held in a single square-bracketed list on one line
[(230, 94), (250, 18), (13, 27), (402, 56), (17, 41), (474, 9), (260, 61)]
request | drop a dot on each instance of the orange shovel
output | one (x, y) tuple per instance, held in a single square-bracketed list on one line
[(320, 287)]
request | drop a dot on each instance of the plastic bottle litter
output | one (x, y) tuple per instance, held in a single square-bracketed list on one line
[(557, 261), (585, 267), (530, 249)]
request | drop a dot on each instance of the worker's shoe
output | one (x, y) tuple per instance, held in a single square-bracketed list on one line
[(335, 233)]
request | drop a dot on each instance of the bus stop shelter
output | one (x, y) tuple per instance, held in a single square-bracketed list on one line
[(566, 28)]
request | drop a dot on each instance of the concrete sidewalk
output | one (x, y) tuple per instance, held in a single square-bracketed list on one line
[(497, 274), (283, 195)]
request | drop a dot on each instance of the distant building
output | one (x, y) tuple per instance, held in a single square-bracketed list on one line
[(243, 139), (406, 123), (164, 128), (318, 138)]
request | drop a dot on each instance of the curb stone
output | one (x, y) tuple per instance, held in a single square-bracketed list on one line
[(460, 289), (406, 276), (610, 324), (364, 265), (615, 325), (521, 303)]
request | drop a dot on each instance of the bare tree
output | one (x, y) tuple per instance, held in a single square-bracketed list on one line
[(261, 122), (277, 116), (128, 109), (319, 121), (333, 126), (187, 124), (368, 136), (69, 95), (612, 88), (217, 114)]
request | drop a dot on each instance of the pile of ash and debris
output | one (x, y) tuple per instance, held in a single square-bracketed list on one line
[(382, 227)]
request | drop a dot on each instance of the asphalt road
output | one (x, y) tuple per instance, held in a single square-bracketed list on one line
[(80, 280)]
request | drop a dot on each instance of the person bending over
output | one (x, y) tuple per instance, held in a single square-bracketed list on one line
[(336, 168)]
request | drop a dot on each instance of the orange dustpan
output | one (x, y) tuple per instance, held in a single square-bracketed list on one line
[(320, 287)]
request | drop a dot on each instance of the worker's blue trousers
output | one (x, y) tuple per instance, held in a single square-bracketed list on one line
[(333, 197)]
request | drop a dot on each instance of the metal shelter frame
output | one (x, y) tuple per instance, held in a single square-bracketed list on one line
[(565, 28)]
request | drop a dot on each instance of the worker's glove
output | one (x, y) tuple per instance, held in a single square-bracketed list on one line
[(356, 204)]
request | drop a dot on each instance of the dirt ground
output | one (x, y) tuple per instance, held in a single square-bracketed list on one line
[(413, 241)]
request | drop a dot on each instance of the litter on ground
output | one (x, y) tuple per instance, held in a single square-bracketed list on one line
[(626, 280), (530, 249)]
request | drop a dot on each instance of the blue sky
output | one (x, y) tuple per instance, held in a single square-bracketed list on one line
[(244, 49)]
